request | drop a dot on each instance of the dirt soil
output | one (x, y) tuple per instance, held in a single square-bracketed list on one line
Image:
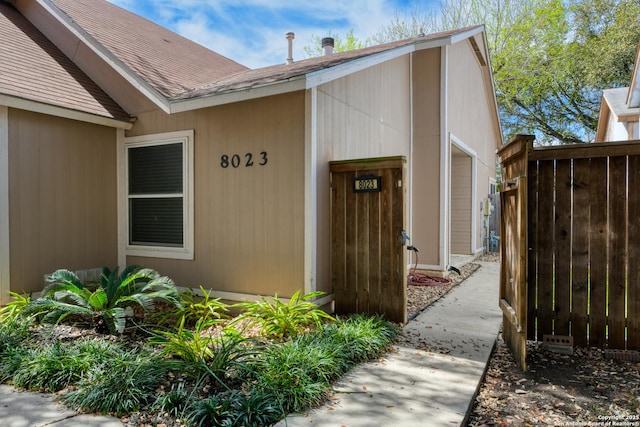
[(584, 389)]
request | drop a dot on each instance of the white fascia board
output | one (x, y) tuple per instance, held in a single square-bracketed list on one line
[(254, 92), (633, 96), (445, 161), (323, 76), (121, 184), (311, 191), (326, 75), (303, 82), (313, 79), (455, 38), (133, 78), (66, 113), (5, 264)]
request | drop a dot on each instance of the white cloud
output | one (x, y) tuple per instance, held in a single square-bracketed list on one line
[(252, 32)]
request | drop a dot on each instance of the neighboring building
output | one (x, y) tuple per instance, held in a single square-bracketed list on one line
[(93, 98), (620, 111)]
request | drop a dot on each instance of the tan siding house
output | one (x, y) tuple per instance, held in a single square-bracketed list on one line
[(128, 144), (619, 118)]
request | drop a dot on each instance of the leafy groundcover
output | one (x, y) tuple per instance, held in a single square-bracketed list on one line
[(179, 359)]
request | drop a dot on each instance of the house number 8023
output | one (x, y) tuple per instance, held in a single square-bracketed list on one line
[(248, 160)]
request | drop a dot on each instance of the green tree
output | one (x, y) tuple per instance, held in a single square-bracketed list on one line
[(551, 58), (350, 42)]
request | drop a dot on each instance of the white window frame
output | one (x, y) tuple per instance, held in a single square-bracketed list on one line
[(186, 251)]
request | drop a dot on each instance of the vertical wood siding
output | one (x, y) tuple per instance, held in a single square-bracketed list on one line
[(584, 245), (249, 221), (62, 202)]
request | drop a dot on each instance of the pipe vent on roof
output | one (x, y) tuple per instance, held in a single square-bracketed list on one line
[(290, 36), (328, 44)]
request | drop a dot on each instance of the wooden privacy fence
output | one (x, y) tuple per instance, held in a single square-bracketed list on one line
[(583, 234)]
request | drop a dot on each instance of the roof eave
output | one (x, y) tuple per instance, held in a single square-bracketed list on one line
[(603, 118), (110, 59), (633, 97), (319, 77), (66, 113), (238, 95), (301, 82)]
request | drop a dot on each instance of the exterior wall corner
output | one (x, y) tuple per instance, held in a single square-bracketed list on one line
[(5, 264)]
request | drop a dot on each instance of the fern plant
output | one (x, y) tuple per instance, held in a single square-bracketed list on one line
[(281, 320), (104, 304)]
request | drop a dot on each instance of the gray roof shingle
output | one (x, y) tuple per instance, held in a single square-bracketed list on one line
[(32, 68), (167, 61), (283, 72)]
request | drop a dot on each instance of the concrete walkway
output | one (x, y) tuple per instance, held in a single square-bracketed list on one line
[(429, 380), (24, 409)]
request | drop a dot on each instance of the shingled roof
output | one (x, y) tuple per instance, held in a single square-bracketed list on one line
[(33, 69), (167, 61), (179, 70), (285, 72)]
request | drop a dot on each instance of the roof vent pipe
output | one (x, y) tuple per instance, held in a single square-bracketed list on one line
[(327, 45), (290, 36)]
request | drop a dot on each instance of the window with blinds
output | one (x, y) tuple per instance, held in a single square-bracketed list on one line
[(159, 199), (156, 195)]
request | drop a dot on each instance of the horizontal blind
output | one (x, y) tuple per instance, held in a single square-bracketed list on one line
[(155, 169)]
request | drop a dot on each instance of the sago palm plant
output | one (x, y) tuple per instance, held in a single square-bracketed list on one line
[(104, 304)]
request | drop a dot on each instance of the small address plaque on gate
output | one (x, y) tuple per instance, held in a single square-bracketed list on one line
[(367, 184)]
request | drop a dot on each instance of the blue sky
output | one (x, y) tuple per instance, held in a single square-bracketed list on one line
[(252, 32)]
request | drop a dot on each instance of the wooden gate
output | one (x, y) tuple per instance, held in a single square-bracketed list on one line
[(584, 244), (368, 258), (581, 254), (513, 247)]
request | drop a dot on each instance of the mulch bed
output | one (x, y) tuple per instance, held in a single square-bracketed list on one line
[(583, 389)]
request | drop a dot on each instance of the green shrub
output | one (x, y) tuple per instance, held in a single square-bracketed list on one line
[(11, 361), (14, 309), (193, 346), (176, 401), (195, 307), (14, 335), (104, 305), (234, 408), (299, 373), (59, 365), (220, 356), (122, 385), (281, 321), (361, 337)]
